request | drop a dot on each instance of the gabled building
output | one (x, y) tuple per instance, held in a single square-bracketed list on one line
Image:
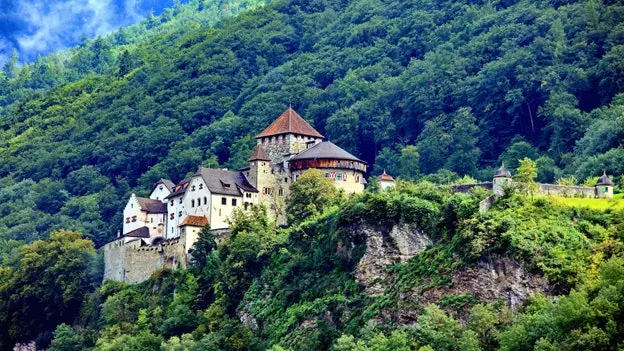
[(144, 216)]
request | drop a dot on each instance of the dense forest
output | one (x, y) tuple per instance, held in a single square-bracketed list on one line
[(413, 88), (431, 91)]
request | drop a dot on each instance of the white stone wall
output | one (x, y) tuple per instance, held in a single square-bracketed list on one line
[(220, 213), (160, 192), (134, 218), (156, 222), (175, 205), (197, 191)]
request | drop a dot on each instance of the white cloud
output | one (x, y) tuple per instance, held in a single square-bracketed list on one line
[(53, 25)]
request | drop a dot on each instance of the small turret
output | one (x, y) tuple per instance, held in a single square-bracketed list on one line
[(386, 181), (502, 177), (604, 187)]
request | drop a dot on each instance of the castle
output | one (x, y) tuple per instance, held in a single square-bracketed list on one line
[(159, 231)]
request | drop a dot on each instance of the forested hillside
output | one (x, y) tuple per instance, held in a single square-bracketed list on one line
[(412, 87)]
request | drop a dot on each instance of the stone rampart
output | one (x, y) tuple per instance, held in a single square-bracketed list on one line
[(567, 190), (465, 188), (135, 261)]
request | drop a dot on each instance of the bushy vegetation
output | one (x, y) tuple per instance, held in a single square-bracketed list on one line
[(295, 288)]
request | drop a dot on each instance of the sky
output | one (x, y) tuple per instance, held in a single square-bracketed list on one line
[(40, 27)]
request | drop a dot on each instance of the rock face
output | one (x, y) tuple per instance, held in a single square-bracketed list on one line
[(492, 279), (384, 249)]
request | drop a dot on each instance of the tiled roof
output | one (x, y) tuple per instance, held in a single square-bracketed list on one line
[(167, 183), (225, 182), (290, 123), (604, 180), (502, 172), (259, 155), (180, 188), (325, 150), (385, 177), (142, 232), (194, 221), (152, 206)]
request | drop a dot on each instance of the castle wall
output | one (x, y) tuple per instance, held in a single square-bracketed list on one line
[(465, 188), (567, 190), (142, 262), (115, 258)]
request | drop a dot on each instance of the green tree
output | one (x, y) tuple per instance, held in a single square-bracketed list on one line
[(526, 174), (55, 274), (10, 67), (465, 154), (408, 163), (310, 195), (66, 339)]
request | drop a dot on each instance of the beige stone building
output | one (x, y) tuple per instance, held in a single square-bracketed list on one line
[(160, 230)]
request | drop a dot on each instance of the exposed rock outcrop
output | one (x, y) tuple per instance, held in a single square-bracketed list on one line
[(384, 249), (491, 279)]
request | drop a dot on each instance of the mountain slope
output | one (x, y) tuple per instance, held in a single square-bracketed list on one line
[(410, 87)]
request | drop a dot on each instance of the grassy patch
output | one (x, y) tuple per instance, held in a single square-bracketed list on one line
[(595, 204)]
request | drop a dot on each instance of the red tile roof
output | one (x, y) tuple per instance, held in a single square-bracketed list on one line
[(195, 221), (385, 176), (290, 123), (259, 155)]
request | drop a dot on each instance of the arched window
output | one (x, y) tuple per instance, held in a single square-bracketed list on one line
[(205, 200), (198, 202), (192, 203)]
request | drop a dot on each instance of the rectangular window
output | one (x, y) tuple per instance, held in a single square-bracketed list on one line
[(127, 219), (233, 202), (180, 214), (280, 192), (339, 176), (180, 201), (246, 206), (223, 201), (172, 215), (134, 218), (171, 203), (604, 190)]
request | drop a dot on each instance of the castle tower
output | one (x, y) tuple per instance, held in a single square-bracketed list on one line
[(386, 181), (604, 187), (502, 177), (259, 168), (289, 134)]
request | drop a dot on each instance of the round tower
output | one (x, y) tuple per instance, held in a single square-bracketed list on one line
[(604, 187), (502, 177)]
